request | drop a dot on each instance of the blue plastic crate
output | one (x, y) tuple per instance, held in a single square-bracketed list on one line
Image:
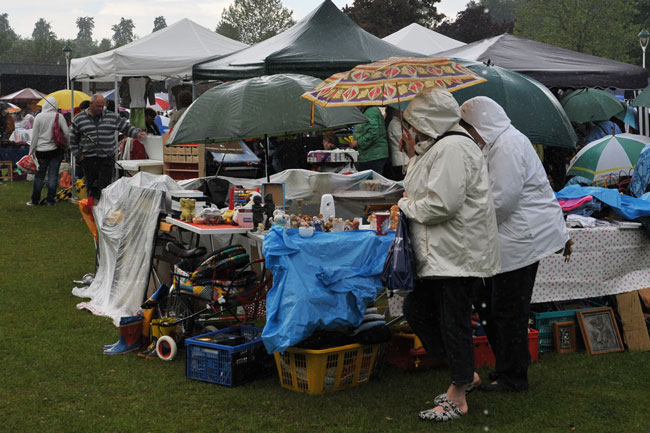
[(224, 364), (544, 324)]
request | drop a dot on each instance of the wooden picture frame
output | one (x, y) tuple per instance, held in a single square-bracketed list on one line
[(600, 331), (564, 337)]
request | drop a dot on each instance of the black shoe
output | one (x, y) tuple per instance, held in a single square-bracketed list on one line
[(496, 387), (49, 203), (493, 376)]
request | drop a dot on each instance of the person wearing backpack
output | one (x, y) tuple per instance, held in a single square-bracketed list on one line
[(48, 153)]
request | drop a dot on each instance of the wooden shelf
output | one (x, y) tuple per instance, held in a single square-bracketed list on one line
[(184, 161)]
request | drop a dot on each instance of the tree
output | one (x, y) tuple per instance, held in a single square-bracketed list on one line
[(7, 37), (597, 27), (84, 44), (501, 11), (255, 20), (104, 45), (642, 15), (473, 24), (159, 23), (42, 30), (383, 17), (45, 48), (85, 26), (228, 31), (123, 32)]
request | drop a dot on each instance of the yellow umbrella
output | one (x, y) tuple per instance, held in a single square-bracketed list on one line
[(64, 99)]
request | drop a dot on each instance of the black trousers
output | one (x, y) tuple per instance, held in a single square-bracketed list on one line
[(504, 307), (98, 174), (439, 312)]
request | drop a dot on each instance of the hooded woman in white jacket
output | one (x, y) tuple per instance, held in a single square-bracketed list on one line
[(454, 236), (48, 154), (531, 227)]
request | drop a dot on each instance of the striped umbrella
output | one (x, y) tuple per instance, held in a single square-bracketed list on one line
[(609, 155)]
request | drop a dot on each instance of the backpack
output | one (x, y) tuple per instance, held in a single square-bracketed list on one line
[(57, 134)]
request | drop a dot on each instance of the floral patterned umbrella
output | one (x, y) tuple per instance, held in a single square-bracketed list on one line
[(390, 81)]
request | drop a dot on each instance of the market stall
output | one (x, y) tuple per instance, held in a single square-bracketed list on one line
[(605, 261)]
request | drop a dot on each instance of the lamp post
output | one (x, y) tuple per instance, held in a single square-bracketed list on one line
[(67, 50), (644, 37)]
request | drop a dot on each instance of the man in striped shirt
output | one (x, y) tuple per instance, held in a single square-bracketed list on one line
[(93, 144)]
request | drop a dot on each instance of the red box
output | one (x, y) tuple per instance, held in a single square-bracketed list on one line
[(484, 357), (406, 352)]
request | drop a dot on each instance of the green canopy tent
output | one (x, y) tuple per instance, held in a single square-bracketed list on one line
[(324, 42)]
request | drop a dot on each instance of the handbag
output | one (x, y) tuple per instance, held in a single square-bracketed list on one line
[(57, 134), (399, 267)]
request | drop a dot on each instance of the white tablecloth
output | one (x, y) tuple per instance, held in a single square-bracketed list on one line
[(605, 261), (21, 135)]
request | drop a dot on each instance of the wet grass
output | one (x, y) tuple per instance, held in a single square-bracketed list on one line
[(55, 379)]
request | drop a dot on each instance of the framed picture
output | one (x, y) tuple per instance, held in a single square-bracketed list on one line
[(599, 331), (564, 336)]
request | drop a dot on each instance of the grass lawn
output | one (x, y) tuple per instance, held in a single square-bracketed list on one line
[(56, 379)]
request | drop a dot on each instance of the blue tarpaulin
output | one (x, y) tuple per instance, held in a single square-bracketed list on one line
[(628, 207), (321, 282)]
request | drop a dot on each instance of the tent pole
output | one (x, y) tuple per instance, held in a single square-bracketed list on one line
[(266, 159), (116, 100)]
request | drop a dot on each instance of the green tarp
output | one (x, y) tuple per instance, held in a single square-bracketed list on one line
[(324, 42)]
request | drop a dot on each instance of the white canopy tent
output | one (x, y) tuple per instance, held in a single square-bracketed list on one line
[(415, 37), (167, 53)]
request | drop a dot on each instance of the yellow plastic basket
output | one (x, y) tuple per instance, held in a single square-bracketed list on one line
[(327, 370)]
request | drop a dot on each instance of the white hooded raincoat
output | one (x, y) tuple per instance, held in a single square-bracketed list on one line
[(42, 131), (530, 220), (449, 205)]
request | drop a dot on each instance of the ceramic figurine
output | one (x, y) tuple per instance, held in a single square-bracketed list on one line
[(394, 216), (280, 218), (187, 209), (299, 201), (269, 209), (258, 212), (294, 221)]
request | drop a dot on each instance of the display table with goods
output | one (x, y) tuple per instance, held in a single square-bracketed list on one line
[(335, 161), (321, 325), (351, 192), (605, 261)]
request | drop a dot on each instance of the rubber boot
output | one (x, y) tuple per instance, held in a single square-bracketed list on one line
[(130, 336), (148, 309), (150, 351)]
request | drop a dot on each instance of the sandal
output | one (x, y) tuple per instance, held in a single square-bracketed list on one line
[(451, 412), (442, 397)]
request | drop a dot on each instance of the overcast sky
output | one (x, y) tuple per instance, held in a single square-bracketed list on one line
[(61, 14)]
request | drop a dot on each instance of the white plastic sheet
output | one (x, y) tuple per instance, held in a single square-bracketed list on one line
[(127, 222), (351, 192)]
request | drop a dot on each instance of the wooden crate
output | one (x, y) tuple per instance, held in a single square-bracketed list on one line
[(184, 161)]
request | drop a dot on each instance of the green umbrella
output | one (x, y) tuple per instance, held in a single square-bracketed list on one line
[(532, 108), (591, 105), (607, 156), (270, 105), (642, 99)]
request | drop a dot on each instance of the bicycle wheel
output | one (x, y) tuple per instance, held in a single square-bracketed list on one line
[(179, 307)]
